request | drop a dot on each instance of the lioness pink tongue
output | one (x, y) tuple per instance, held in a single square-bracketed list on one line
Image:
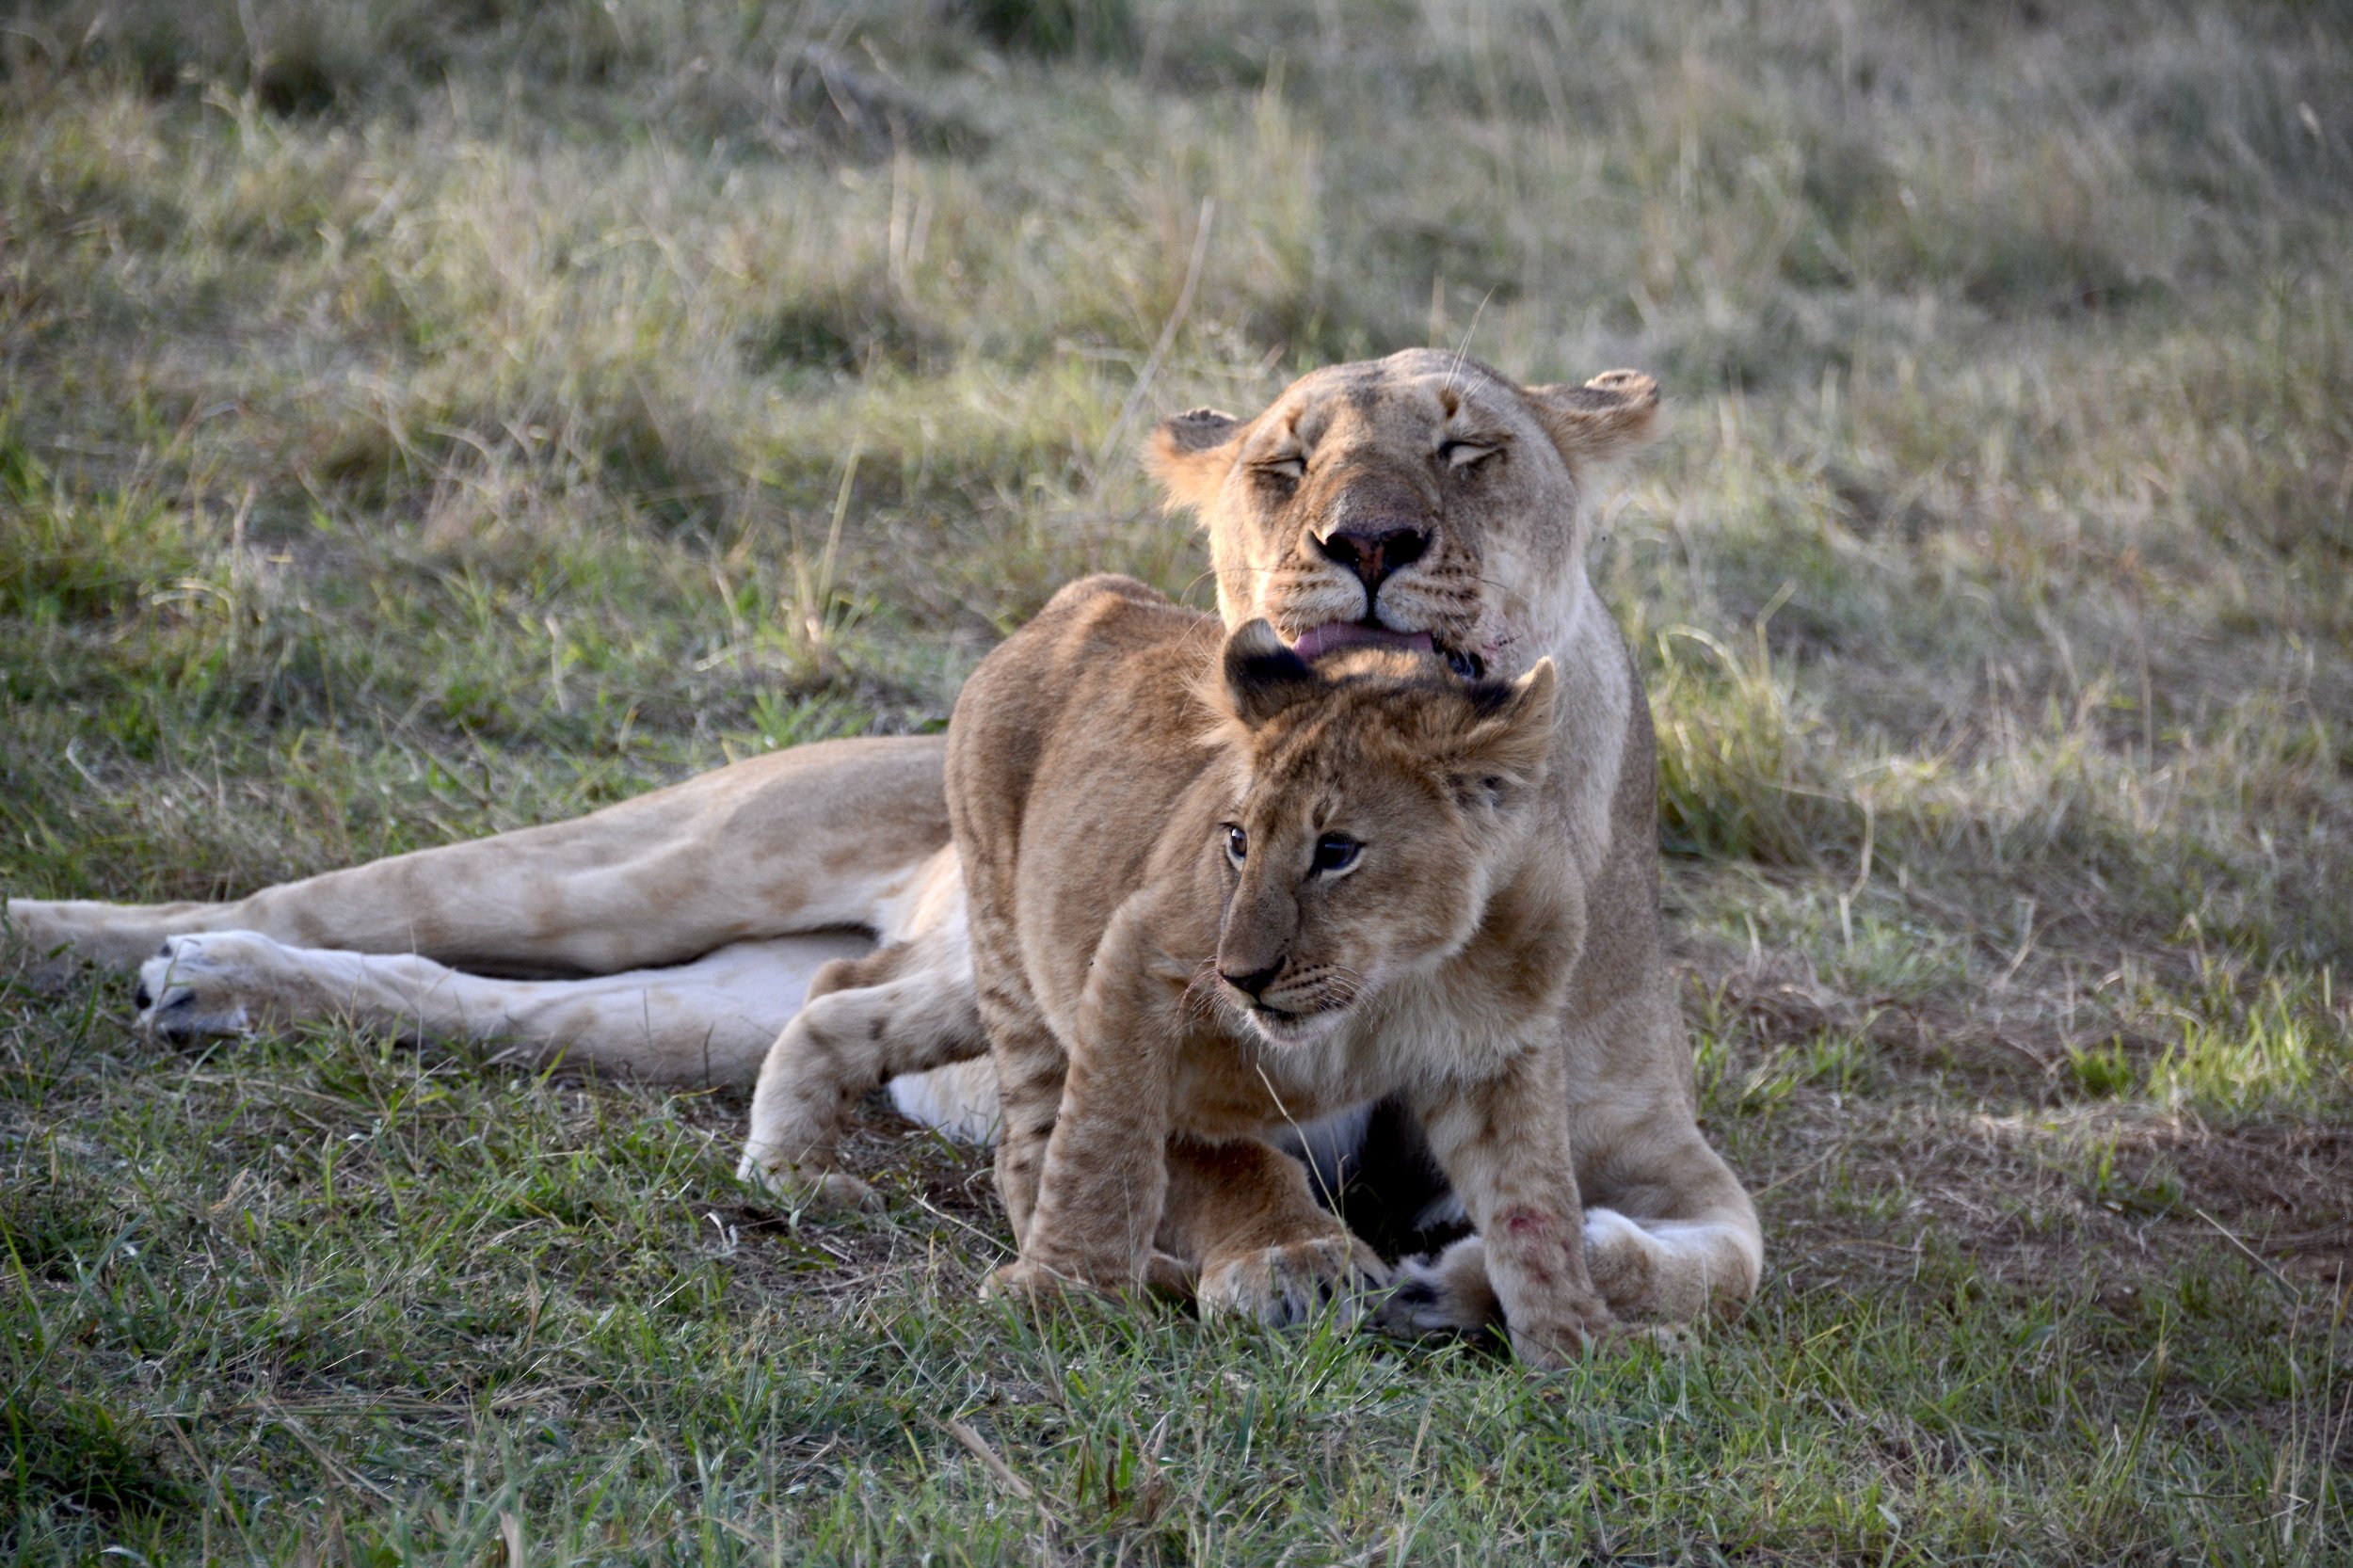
[(1324, 639)]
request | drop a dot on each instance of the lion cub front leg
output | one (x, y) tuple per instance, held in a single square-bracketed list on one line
[(1504, 1145), (1093, 1125), (1030, 1072)]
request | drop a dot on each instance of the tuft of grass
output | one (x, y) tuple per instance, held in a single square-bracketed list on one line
[(2101, 1072), (75, 1461), (2283, 1049)]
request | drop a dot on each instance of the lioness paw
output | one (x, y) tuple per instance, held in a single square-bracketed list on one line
[(1445, 1294), (196, 987), (1285, 1286)]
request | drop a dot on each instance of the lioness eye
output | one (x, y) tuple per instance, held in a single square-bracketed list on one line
[(1460, 454), (1237, 843), (1336, 852), (1284, 470)]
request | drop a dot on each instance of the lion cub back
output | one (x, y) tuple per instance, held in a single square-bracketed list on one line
[(1095, 688)]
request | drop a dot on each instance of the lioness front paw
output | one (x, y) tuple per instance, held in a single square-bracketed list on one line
[(1287, 1284), (803, 1187), (1446, 1294), (203, 985)]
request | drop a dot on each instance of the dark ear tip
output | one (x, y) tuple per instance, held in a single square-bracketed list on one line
[(1635, 387), (1194, 430), (1257, 658), (1492, 695), (1254, 638), (1488, 698)]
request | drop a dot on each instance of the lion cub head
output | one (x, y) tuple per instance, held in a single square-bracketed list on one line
[(1423, 501), (1377, 801)]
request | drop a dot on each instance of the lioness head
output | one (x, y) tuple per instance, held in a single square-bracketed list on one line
[(1423, 501), (1376, 799)]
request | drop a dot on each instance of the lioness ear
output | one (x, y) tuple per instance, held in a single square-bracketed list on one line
[(1511, 746), (1262, 675), (1608, 416), (1189, 453)]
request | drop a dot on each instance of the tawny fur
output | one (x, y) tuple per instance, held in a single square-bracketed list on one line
[(1671, 1233), (781, 850), (1128, 859)]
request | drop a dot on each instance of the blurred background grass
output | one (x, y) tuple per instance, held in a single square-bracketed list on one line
[(425, 417)]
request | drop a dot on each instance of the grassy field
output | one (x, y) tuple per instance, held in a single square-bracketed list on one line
[(420, 418)]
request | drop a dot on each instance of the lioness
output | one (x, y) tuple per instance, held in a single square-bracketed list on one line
[(1422, 498), (1242, 890)]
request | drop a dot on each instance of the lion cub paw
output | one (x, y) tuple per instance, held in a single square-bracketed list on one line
[(1550, 1348), (805, 1187), (1028, 1283), (196, 987), (1580, 1329), (1286, 1286)]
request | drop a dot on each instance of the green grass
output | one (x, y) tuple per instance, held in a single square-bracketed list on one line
[(420, 419)]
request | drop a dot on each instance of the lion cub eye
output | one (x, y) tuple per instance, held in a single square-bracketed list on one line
[(1336, 852), (1237, 844), (1287, 470), (1462, 455)]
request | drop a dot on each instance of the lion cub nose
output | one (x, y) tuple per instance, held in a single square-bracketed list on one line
[(1373, 552), (1254, 983)]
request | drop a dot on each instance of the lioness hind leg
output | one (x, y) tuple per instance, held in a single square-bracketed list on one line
[(907, 1009), (800, 841), (217, 983), (959, 1100), (701, 1023)]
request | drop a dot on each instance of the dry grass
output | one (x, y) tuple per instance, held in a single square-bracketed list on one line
[(424, 418)]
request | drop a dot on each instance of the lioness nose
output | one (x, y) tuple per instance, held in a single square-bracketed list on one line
[(1254, 982), (1373, 552)]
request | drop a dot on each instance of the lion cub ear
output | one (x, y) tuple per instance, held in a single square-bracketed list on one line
[(1509, 748), (1608, 416), (1262, 675), (1190, 454)]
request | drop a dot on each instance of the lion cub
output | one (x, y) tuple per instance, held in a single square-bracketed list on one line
[(1217, 890)]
